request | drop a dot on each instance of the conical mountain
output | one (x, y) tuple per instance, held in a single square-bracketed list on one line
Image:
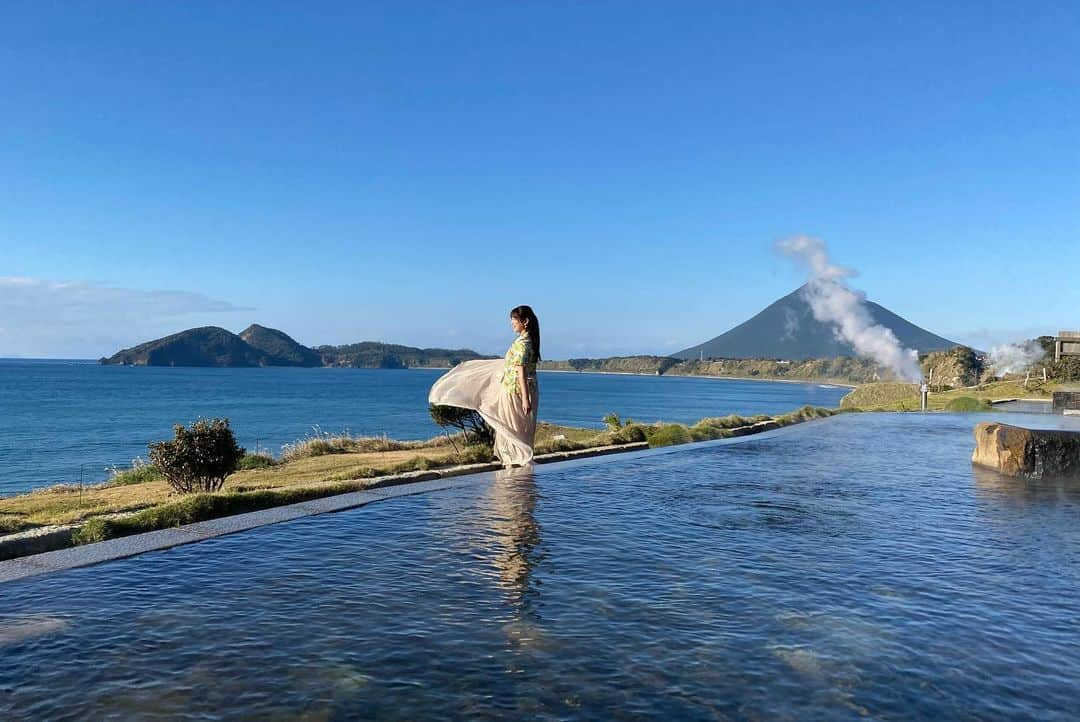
[(787, 329)]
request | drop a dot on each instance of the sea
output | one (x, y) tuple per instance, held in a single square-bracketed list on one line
[(71, 421)]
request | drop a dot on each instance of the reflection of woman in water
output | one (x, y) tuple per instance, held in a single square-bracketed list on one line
[(504, 392), (513, 499)]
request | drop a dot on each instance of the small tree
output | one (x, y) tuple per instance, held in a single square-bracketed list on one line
[(613, 421), (198, 458), (470, 423)]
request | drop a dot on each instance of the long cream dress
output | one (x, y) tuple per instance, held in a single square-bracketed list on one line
[(492, 388)]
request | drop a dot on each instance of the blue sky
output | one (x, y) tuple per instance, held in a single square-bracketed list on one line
[(407, 172)]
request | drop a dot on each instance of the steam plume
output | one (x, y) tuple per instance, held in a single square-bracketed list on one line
[(1014, 357), (833, 302)]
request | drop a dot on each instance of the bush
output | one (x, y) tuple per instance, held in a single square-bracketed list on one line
[(139, 473), (629, 434), (11, 523), (806, 413), (470, 423), (612, 421), (967, 404), (668, 435), (198, 458), (256, 461)]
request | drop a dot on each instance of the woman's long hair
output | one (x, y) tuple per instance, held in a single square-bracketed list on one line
[(525, 315)]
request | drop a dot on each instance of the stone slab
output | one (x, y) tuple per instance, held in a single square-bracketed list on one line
[(14, 569), (339, 502), (243, 522), (127, 546)]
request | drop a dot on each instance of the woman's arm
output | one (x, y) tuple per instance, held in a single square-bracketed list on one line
[(523, 386)]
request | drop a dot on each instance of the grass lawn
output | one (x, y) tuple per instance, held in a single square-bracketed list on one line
[(905, 397)]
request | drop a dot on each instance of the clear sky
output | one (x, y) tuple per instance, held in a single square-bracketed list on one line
[(408, 171)]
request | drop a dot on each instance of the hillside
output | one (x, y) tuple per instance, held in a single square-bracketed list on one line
[(371, 354), (843, 369), (204, 346), (279, 348), (787, 330), (261, 346)]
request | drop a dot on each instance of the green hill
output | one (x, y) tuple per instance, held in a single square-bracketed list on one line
[(372, 354), (205, 346), (261, 346), (279, 348)]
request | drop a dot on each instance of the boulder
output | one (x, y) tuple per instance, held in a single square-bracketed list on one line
[(1030, 453)]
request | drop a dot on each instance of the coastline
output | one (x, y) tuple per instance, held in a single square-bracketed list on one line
[(815, 382)]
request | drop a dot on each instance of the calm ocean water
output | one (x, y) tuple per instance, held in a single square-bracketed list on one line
[(62, 418)]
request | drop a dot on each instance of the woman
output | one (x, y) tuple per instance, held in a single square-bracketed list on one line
[(504, 392)]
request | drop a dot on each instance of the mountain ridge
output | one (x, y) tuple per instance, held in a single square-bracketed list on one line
[(257, 345), (786, 329)]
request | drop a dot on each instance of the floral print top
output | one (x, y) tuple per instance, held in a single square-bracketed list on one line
[(520, 352)]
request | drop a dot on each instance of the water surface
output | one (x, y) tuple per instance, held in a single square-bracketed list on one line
[(854, 568)]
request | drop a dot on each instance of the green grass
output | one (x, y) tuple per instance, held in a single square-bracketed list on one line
[(10, 523), (887, 395), (257, 461), (140, 473), (722, 427), (320, 443), (967, 404), (202, 507), (905, 397), (668, 435)]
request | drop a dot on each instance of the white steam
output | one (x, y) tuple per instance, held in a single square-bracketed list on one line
[(833, 302), (1013, 358)]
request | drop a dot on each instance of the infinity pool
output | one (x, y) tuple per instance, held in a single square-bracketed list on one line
[(853, 568)]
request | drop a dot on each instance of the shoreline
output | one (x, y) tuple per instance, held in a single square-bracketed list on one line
[(819, 382)]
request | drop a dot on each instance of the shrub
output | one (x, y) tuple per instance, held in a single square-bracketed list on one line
[(198, 458), (806, 413), (256, 461), (140, 472), (11, 523), (628, 434), (470, 423), (967, 404), (612, 421), (669, 435)]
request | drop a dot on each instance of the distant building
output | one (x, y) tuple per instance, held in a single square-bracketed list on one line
[(1067, 343)]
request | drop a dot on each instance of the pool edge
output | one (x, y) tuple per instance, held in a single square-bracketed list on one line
[(112, 549)]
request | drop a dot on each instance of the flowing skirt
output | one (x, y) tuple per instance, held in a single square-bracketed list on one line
[(477, 385)]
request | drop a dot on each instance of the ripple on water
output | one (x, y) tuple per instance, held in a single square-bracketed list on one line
[(858, 568)]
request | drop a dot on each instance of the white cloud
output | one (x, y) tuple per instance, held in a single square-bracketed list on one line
[(85, 319)]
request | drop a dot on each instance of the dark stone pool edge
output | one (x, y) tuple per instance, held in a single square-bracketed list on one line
[(405, 485)]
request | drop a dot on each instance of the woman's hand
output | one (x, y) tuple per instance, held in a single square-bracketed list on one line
[(526, 404)]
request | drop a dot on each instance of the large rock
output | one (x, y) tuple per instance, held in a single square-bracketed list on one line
[(1031, 453)]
